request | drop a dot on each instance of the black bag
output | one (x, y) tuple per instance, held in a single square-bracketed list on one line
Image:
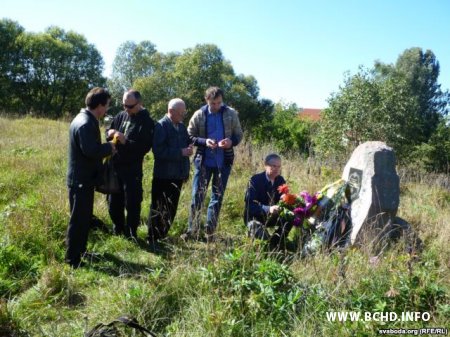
[(109, 180)]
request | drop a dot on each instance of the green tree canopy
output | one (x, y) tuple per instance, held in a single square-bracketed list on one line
[(399, 104), (132, 61), (47, 73), (189, 74), (10, 63)]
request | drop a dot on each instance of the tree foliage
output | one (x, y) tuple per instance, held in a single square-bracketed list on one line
[(49, 73), (286, 130), (10, 65), (399, 104), (189, 74), (132, 61)]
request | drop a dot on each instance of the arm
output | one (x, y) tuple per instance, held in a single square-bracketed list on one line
[(161, 146), (144, 140), (89, 144), (193, 129), (254, 207)]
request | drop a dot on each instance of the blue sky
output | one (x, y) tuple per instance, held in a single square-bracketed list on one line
[(297, 50)]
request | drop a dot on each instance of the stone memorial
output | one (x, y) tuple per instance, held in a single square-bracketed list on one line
[(375, 191)]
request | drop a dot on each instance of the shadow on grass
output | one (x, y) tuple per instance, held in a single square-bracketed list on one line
[(112, 265)]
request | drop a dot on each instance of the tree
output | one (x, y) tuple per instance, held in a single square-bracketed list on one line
[(242, 92), (158, 88), (59, 68), (197, 69), (10, 63), (419, 72), (189, 74), (286, 130), (399, 104), (133, 61)]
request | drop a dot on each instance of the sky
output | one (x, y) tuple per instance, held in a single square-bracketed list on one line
[(298, 51)]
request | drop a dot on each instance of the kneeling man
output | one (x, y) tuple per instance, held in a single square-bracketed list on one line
[(261, 199)]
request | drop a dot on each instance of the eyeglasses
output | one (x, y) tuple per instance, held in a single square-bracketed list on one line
[(130, 106)]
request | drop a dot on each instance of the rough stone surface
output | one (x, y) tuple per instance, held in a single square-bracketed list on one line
[(375, 188)]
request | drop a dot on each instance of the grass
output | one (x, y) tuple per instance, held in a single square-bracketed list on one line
[(232, 287)]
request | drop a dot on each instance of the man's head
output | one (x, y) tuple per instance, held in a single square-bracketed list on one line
[(176, 110), (132, 101), (97, 100), (272, 164), (214, 98)]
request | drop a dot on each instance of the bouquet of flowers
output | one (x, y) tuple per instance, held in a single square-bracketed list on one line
[(297, 208)]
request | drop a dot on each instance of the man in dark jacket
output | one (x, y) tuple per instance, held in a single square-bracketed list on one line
[(133, 128), (261, 199), (171, 149), (84, 170)]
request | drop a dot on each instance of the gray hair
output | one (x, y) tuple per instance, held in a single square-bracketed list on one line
[(270, 157), (174, 103)]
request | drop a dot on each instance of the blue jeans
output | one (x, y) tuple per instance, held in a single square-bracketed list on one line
[(202, 177)]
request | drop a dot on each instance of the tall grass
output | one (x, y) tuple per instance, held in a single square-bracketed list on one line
[(232, 287)]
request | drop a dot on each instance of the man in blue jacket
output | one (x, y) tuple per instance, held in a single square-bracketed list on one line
[(171, 149), (134, 130), (84, 170), (261, 199)]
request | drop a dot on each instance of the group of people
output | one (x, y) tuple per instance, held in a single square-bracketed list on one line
[(214, 130)]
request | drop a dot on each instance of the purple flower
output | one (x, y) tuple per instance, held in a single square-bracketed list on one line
[(309, 200), (300, 211), (297, 222)]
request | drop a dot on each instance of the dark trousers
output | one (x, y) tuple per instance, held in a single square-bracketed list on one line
[(282, 228), (128, 199), (81, 201), (165, 197)]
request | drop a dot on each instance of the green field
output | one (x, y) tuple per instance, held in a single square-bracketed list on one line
[(232, 287)]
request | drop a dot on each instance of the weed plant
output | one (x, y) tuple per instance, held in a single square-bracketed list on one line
[(232, 287)]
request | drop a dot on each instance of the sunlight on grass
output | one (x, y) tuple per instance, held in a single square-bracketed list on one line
[(232, 287)]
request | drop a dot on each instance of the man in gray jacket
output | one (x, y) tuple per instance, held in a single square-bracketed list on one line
[(215, 130), (171, 150), (84, 170)]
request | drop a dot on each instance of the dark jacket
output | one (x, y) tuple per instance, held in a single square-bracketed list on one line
[(261, 192), (85, 151), (167, 145), (138, 130)]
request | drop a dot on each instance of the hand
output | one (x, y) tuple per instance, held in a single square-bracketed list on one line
[(187, 151), (110, 133), (225, 143), (120, 137), (211, 143), (274, 209)]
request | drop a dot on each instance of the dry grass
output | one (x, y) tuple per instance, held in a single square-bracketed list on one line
[(169, 291)]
